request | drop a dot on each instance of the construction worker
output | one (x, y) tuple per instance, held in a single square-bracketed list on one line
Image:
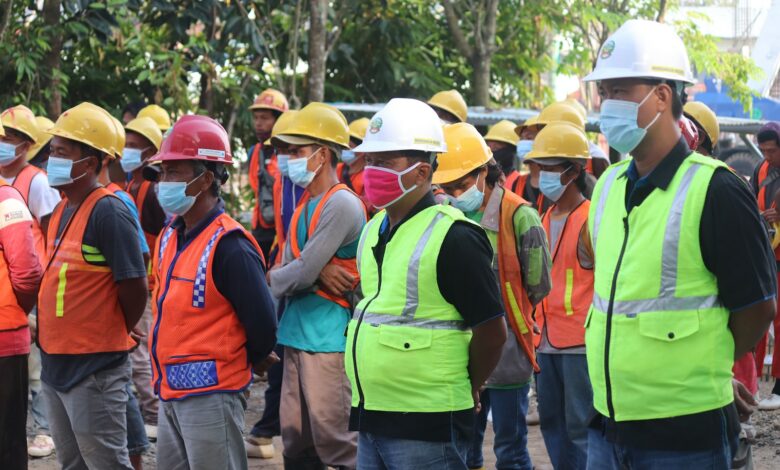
[(526, 132), (707, 124), (350, 170), (599, 161), (430, 328), (449, 106), (213, 315), (316, 280), (502, 141), (287, 195), (766, 187), (131, 110), (564, 392), (157, 114), (20, 271), (469, 175), (92, 294), (263, 168), (38, 154), (683, 282)]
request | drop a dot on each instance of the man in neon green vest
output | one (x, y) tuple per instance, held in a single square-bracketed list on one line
[(430, 329), (684, 275)]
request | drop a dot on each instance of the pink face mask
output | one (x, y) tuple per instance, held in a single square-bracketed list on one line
[(383, 186)]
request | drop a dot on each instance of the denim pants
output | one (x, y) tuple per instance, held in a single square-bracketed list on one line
[(511, 434), (269, 425), (603, 455), (137, 441), (565, 408), (388, 453)]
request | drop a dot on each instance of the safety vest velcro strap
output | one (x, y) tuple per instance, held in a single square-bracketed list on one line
[(664, 304), (376, 319)]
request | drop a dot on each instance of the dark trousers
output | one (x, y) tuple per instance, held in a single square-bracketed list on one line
[(13, 412), (269, 426)]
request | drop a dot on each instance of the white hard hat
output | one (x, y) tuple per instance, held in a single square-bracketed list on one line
[(643, 49), (404, 124)]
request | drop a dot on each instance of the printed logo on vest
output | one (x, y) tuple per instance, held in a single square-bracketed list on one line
[(191, 375)]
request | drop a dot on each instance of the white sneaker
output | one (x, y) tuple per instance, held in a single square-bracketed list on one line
[(770, 403), (259, 447), (41, 446), (151, 432)]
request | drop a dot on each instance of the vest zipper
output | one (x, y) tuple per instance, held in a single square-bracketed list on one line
[(607, 381), (156, 329), (361, 397)]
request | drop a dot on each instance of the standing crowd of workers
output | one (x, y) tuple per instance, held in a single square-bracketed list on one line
[(402, 283)]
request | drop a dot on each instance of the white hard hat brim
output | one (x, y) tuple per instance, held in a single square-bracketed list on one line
[(615, 73), (375, 146)]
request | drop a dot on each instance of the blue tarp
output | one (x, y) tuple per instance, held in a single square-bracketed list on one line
[(717, 98)]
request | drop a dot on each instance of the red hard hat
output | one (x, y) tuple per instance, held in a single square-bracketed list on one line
[(689, 132), (195, 138)]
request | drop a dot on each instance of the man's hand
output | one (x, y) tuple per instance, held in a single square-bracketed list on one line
[(336, 279), (771, 215), (477, 403), (266, 363), (744, 400)]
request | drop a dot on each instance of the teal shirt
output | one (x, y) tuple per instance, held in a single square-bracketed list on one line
[(310, 322)]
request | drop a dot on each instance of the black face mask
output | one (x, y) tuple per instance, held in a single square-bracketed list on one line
[(506, 158)]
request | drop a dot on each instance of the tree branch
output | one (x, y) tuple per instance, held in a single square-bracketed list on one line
[(457, 33), (661, 11), (491, 19), (6, 20)]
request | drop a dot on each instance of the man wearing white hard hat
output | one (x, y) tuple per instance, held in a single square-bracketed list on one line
[(684, 276), (430, 329)]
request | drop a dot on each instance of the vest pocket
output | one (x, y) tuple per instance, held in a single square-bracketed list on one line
[(668, 326), (191, 375), (405, 338)]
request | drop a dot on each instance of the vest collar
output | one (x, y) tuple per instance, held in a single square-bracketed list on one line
[(178, 222), (491, 216), (663, 174)]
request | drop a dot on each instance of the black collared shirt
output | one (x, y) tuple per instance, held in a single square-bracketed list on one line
[(467, 281), (735, 248)]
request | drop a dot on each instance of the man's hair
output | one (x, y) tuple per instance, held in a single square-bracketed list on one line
[(768, 135), (217, 169), (493, 173), (678, 95), (423, 157), (89, 151), (20, 135), (133, 108)]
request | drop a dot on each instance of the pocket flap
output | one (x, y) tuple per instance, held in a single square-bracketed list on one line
[(668, 326), (405, 338)]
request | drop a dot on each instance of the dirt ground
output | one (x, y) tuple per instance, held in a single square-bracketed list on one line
[(766, 451)]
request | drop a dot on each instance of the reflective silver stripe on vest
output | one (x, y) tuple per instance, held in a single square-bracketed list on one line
[(602, 202), (376, 319), (671, 247), (413, 273), (664, 304), (366, 231)]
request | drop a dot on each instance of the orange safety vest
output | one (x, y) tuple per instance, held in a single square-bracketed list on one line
[(350, 264), (12, 316), (23, 184), (140, 200), (78, 304), (564, 310), (517, 184), (198, 344), (254, 182), (355, 183), (763, 172), (518, 307)]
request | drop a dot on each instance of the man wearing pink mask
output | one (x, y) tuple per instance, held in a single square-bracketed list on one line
[(430, 328)]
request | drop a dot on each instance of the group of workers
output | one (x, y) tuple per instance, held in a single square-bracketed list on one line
[(403, 282)]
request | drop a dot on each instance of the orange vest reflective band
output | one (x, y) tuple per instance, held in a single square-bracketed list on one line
[(113, 187), (78, 304), (23, 184), (518, 307), (763, 172), (12, 316), (198, 344), (254, 182), (564, 310), (140, 200), (349, 264)]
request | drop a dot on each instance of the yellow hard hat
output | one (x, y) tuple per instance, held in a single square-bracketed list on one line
[(317, 122), (21, 119), (281, 125), (559, 140), (561, 111), (466, 151), (577, 106), (119, 137), (88, 124), (271, 99), (502, 131), (147, 128), (158, 115), (2, 131), (704, 116), (358, 128), (44, 124), (452, 102), (531, 121)]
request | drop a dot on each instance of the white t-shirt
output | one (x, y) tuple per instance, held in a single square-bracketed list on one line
[(43, 198)]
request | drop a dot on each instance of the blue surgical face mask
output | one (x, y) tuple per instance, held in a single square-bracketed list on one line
[(58, 171), (550, 184), (470, 200), (131, 159), (618, 122), (523, 147), (7, 153), (299, 170), (282, 161), (348, 156), (173, 198)]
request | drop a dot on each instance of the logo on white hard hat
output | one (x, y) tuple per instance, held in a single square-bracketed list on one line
[(607, 49), (375, 125)]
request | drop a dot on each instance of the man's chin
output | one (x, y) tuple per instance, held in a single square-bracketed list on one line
[(262, 137)]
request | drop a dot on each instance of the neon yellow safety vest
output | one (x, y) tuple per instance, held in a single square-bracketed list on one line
[(407, 347), (657, 337)]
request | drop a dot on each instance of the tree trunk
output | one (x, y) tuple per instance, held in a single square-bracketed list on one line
[(51, 18), (481, 80), (206, 93), (317, 58)]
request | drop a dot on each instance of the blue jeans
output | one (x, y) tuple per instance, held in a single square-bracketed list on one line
[(511, 434), (137, 442), (388, 453), (565, 408), (269, 425), (603, 455)]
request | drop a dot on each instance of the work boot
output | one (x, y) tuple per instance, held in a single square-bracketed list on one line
[(259, 447)]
